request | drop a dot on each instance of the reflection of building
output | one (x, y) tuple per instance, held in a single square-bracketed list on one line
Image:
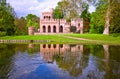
[(49, 50), (50, 25)]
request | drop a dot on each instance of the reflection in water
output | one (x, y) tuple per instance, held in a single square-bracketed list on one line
[(59, 61)]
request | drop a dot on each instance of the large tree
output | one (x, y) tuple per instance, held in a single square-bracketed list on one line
[(6, 18), (20, 25), (97, 20), (111, 15), (71, 8), (32, 20)]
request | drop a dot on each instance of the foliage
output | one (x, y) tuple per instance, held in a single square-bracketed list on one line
[(71, 8), (6, 18), (86, 14), (58, 14), (20, 26), (32, 20), (97, 20), (2, 33), (115, 14)]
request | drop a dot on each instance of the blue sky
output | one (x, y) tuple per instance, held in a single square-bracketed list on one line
[(24, 7)]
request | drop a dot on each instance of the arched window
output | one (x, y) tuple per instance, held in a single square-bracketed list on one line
[(49, 29), (61, 29), (44, 29), (61, 45), (44, 46), (44, 17), (54, 45), (79, 25), (54, 29), (49, 17), (49, 45)]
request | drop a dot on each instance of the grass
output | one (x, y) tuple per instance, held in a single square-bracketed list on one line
[(52, 38), (110, 39), (59, 38)]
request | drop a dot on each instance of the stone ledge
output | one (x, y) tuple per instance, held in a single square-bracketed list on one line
[(23, 41)]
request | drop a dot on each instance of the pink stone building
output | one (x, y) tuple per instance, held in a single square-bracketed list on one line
[(49, 25)]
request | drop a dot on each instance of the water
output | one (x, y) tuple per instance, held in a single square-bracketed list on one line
[(59, 61)]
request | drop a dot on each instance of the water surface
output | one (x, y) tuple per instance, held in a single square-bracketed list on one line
[(59, 61)]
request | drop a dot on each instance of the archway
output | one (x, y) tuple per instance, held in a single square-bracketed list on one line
[(49, 29), (61, 29), (54, 29), (44, 29), (49, 17)]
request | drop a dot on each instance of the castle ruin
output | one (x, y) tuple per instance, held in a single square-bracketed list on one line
[(49, 25)]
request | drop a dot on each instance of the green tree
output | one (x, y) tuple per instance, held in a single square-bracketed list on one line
[(7, 15), (32, 20), (85, 14), (115, 14), (97, 20), (58, 13), (111, 15), (20, 25), (71, 8)]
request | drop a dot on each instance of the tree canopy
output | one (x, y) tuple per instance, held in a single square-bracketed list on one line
[(7, 15), (32, 20)]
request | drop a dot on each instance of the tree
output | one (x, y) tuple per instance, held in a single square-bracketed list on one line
[(111, 15), (71, 8), (7, 15), (97, 20), (20, 25), (85, 14), (86, 18), (32, 20), (115, 13), (58, 13)]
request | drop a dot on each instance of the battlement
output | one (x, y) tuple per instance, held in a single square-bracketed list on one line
[(53, 20), (67, 23), (77, 19)]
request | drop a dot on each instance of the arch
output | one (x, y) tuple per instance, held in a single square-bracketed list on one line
[(44, 29), (44, 17), (78, 24), (49, 29), (49, 17), (61, 29), (61, 45), (54, 45), (54, 29), (49, 45), (44, 45)]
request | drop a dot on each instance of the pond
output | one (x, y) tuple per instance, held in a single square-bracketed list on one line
[(59, 61)]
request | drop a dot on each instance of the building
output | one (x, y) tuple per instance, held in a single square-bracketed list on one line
[(49, 25)]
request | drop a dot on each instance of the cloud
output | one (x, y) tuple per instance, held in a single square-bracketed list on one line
[(24, 7)]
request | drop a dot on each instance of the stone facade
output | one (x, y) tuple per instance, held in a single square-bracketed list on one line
[(49, 25)]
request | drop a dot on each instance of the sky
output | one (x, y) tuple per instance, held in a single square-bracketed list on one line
[(24, 7)]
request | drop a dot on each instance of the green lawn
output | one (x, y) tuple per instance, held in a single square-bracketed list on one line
[(59, 38), (112, 39), (52, 38)]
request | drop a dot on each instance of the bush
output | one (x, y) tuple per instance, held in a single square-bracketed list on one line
[(2, 34)]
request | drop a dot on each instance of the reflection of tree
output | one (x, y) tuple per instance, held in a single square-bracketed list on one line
[(73, 62), (32, 48), (112, 63), (6, 54)]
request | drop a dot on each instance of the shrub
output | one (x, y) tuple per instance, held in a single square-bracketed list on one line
[(2, 34)]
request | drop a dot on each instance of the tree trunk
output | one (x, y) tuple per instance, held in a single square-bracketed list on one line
[(107, 21)]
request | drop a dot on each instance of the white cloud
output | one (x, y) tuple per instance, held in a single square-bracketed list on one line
[(24, 7)]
